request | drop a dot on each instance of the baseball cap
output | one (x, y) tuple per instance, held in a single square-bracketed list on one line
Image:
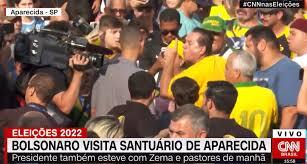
[(299, 24), (214, 23)]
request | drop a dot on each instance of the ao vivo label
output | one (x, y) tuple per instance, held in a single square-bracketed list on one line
[(288, 144)]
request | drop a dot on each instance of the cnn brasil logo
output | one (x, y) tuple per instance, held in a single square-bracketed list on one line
[(288, 144)]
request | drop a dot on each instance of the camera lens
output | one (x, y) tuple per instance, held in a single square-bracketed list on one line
[(96, 60)]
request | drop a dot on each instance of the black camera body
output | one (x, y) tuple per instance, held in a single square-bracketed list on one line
[(54, 48)]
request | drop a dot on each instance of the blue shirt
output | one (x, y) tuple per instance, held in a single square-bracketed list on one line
[(283, 79), (187, 24), (36, 24)]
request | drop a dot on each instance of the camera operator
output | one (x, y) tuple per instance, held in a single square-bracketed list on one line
[(66, 97), (67, 91)]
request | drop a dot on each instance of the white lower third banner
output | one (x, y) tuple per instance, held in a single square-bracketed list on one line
[(138, 150)]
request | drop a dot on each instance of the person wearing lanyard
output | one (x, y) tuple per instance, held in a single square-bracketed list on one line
[(38, 94)]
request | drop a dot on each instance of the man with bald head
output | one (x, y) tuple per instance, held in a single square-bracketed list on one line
[(260, 115)]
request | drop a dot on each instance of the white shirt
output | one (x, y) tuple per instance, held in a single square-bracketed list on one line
[(301, 60)]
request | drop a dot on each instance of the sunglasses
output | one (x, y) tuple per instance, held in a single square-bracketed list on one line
[(121, 11), (166, 32)]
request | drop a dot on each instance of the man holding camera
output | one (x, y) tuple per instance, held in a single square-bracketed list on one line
[(67, 87), (66, 97), (65, 92)]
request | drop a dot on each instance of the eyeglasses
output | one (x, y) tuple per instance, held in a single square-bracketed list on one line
[(121, 11), (265, 14), (166, 32)]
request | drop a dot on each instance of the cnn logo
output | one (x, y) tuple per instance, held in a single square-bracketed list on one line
[(286, 146)]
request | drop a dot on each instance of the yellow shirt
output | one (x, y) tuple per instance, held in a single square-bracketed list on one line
[(209, 68), (236, 34), (179, 47), (255, 109), (236, 30), (283, 43), (220, 11)]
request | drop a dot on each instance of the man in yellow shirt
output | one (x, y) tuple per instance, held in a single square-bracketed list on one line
[(217, 26), (236, 28), (256, 107), (203, 66)]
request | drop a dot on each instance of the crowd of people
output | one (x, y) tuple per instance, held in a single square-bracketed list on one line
[(179, 69)]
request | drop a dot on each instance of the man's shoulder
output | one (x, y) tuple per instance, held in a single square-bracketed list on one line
[(118, 110), (282, 67), (123, 66), (286, 64), (211, 66), (213, 58), (242, 132), (210, 62), (228, 128), (16, 111), (130, 109), (117, 71), (286, 68), (11, 116), (255, 90), (8, 111)]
